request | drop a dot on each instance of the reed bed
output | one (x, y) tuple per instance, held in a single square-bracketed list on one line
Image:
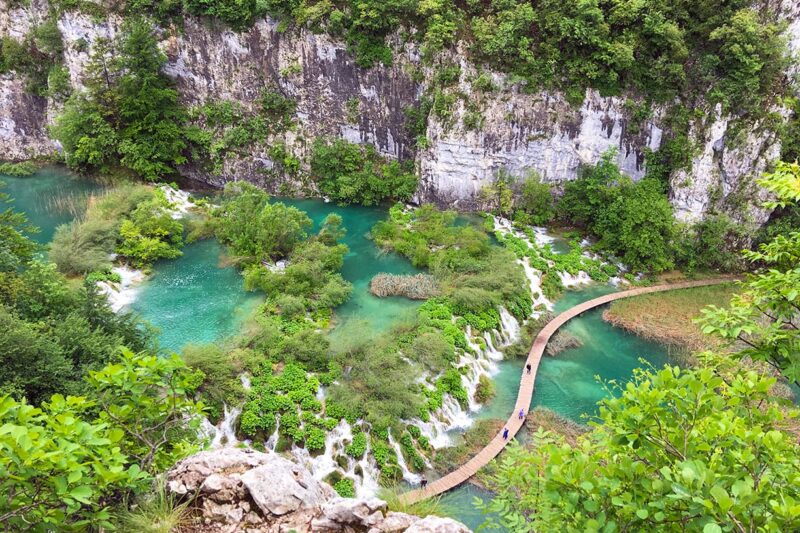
[(415, 287)]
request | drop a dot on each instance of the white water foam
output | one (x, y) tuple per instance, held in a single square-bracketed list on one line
[(408, 476), (121, 294), (224, 433)]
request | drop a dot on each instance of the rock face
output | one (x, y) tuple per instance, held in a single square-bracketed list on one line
[(238, 489), (517, 131)]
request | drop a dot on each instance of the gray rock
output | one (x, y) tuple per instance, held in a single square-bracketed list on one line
[(435, 524), (280, 486), (242, 490), (394, 523)]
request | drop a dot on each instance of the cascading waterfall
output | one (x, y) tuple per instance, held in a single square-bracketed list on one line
[(408, 475), (568, 280), (224, 433), (121, 294), (272, 441), (509, 327), (324, 464), (368, 483)]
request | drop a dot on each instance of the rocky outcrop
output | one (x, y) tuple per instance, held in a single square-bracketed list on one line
[(237, 489), (509, 127)]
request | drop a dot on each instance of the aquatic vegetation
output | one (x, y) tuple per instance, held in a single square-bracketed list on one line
[(668, 318), (134, 221), (345, 487), (24, 168), (416, 287)]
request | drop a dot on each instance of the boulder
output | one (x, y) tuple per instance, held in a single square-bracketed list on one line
[(236, 489), (435, 524)]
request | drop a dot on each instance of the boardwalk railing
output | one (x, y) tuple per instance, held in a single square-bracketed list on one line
[(496, 445)]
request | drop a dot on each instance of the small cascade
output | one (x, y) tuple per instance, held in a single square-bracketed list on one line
[(179, 200), (272, 441), (408, 475), (325, 463), (320, 393), (224, 433), (491, 351), (245, 379), (541, 237), (447, 418), (368, 484), (509, 329), (568, 280), (535, 280), (121, 294)]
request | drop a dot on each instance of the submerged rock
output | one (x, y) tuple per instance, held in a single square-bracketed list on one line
[(238, 489)]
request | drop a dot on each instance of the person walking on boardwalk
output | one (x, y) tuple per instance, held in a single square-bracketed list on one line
[(528, 366), (521, 414), (505, 434), (423, 483)]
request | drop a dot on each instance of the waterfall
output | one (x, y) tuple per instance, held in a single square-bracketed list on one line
[(272, 441), (535, 281), (368, 485), (447, 418), (224, 433), (509, 329), (245, 379), (568, 280), (121, 294), (408, 475), (491, 351), (325, 463), (179, 200)]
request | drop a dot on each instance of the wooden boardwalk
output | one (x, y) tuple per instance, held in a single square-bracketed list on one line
[(482, 458)]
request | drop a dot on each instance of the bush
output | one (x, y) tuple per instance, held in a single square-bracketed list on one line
[(22, 169), (415, 287), (350, 173), (346, 488), (535, 204)]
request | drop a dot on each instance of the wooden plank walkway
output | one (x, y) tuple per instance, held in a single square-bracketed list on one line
[(482, 458)]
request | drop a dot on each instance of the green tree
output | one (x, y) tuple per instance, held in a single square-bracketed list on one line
[(535, 204), (638, 226), (149, 400), (764, 316), (256, 228), (58, 469), (677, 450), (349, 173), (129, 115)]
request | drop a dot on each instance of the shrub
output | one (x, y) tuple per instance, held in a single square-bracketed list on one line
[(350, 173)]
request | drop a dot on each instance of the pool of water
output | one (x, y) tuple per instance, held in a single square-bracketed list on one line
[(194, 299), (363, 311), (50, 197)]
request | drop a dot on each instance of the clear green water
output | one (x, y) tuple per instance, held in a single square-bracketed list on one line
[(193, 299), (50, 197), (363, 311)]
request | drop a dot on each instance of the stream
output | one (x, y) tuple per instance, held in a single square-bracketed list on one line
[(196, 299)]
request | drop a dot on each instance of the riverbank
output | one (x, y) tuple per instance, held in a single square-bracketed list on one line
[(667, 317)]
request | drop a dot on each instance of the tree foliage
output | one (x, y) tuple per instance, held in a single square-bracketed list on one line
[(350, 173), (677, 450), (765, 315), (64, 465), (631, 220), (129, 115)]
